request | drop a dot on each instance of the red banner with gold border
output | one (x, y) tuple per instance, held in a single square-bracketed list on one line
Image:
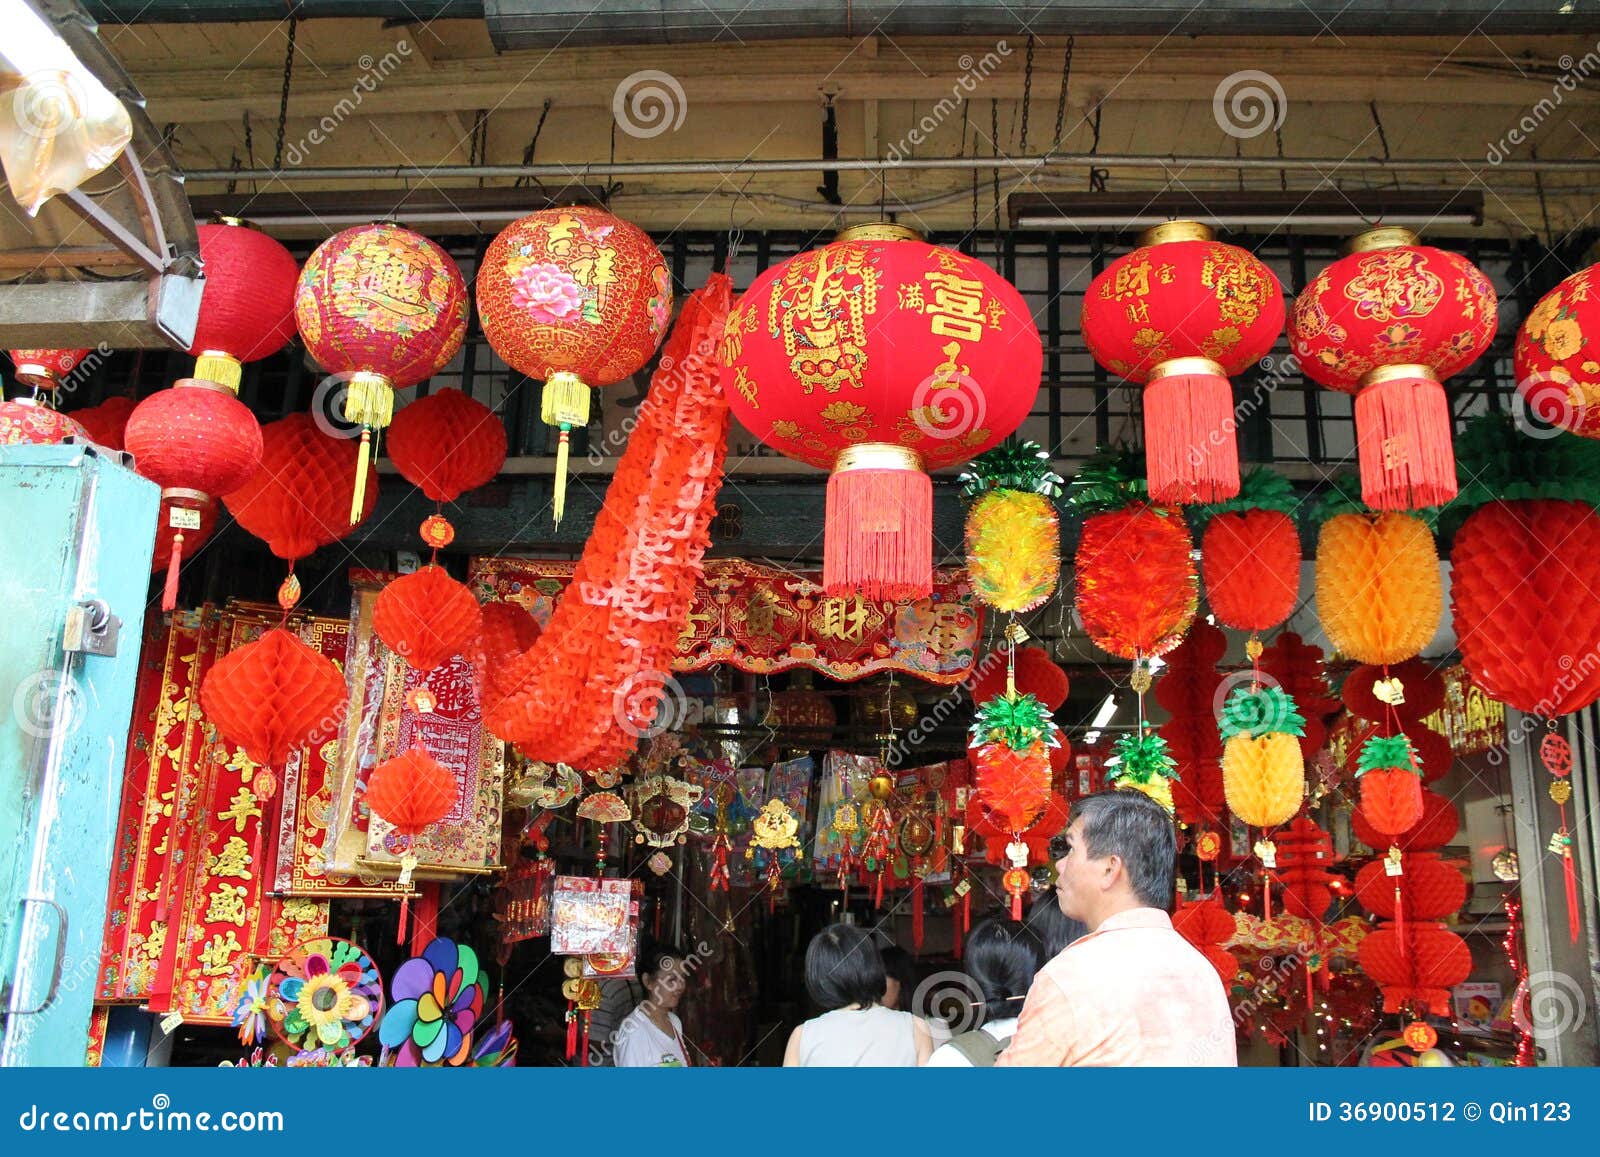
[(764, 620)]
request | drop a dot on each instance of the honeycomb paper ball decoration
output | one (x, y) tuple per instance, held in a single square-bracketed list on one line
[(273, 695), (1379, 592), (1264, 777), (426, 617)]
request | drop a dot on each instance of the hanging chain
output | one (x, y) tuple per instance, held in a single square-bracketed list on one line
[(1027, 96), (994, 143), (1061, 97), (283, 101), (1097, 177)]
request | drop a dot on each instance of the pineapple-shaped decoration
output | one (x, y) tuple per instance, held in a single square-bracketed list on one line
[(1391, 784), (1013, 534), (1139, 762), (1263, 769), (1250, 554)]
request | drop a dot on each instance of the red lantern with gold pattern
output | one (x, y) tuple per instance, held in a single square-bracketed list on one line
[(1388, 322), (24, 421), (45, 369), (386, 308), (880, 357), (246, 300), (1558, 359), (576, 298), (1180, 315)]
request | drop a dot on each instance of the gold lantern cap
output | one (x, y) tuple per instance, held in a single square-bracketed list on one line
[(1169, 231), (878, 231), (877, 456), (1383, 237)]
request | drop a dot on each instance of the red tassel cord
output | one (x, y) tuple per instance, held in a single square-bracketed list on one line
[(720, 847), (425, 924), (878, 529), (1569, 876), (572, 1029), (1189, 445), (169, 590), (916, 914)]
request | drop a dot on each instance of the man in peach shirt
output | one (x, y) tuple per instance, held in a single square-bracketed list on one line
[(1131, 991)]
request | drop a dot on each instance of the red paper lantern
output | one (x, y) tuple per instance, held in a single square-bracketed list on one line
[(1137, 588), (1418, 976), (295, 501), (879, 357), (411, 791), (989, 826), (576, 298), (1436, 827), (196, 441), (104, 424), (1525, 610), (1180, 315), (426, 616), (1557, 366), (1422, 686), (1298, 668), (45, 369), (1207, 926), (1037, 674), (385, 307), (246, 300), (1305, 852), (1013, 785), (24, 421), (1388, 322), (1187, 689), (1251, 564), (1391, 799), (273, 695), (447, 444), (1429, 888)]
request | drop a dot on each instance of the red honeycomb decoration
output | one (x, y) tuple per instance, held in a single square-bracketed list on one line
[(273, 695), (426, 616)]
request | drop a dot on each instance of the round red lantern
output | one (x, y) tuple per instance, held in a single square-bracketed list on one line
[(1388, 322), (447, 444), (295, 501), (45, 369), (272, 695), (426, 617), (1436, 828), (411, 791), (1180, 315), (246, 300), (1416, 966), (105, 423), (196, 441), (576, 298), (22, 420), (1557, 366), (1429, 888), (385, 308), (879, 357)]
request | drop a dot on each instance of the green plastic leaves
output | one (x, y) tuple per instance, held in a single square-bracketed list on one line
[(1113, 479), (1012, 465), (1387, 754), (1261, 489), (1143, 758), (1018, 723), (1496, 461), (1257, 711)]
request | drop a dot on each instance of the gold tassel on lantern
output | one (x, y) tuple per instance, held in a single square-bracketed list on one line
[(564, 403), (369, 403)]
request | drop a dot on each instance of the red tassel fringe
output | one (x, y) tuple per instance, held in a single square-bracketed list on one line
[(169, 590), (1189, 438), (1569, 876), (1403, 439), (878, 534)]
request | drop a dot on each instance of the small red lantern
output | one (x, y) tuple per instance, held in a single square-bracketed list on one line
[(411, 791), (1180, 315), (426, 617), (1388, 322), (246, 301), (1430, 889), (1207, 925), (879, 357), (576, 298), (45, 369), (1436, 828), (195, 440), (104, 424), (1037, 674), (1305, 852), (273, 695), (385, 307), (447, 444), (1557, 364), (295, 501), (22, 420), (1415, 965)]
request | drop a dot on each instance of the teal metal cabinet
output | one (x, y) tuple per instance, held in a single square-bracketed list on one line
[(77, 530)]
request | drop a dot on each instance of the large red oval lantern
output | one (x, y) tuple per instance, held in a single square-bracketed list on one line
[(1180, 315), (576, 298), (447, 443), (880, 357), (246, 301), (386, 308), (1557, 360), (1388, 322)]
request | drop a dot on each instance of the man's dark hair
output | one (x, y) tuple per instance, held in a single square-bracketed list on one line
[(897, 964), (1134, 827), (843, 967), (1001, 956)]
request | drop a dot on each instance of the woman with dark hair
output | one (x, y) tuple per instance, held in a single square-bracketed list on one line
[(845, 977), (1001, 957), (1053, 928), (651, 1036)]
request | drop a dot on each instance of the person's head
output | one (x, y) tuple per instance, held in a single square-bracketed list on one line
[(843, 967), (1052, 927), (1001, 956), (1119, 852), (898, 977), (662, 973)]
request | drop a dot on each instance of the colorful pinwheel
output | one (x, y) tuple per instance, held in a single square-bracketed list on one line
[(328, 994), (436, 1000), (250, 1014)]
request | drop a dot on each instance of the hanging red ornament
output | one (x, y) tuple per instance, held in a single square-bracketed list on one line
[(1415, 966), (1430, 889), (1180, 315), (1188, 690), (426, 616), (246, 300), (386, 308), (45, 369), (273, 695), (1388, 322), (1304, 854), (196, 441), (178, 535), (1298, 668), (23, 421), (1391, 784), (104, 424), (508, 631), (411, 791), (1137, 587), (1250, 554), (1436, 827), (576, 298), (1207, 925), (879, 357), (1557, 368), (447, 444)]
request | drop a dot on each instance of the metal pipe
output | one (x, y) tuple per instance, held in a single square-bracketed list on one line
[(435, 173)]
